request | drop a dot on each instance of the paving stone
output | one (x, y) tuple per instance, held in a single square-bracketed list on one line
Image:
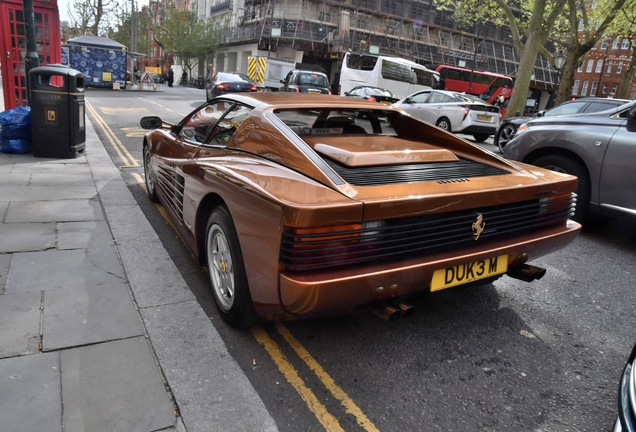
[(114, 192), (55, 211), (74, 317), (4, 205), (5, 260), (30, 397), (81, 235), (19, 324), (15, 179), (54, 166), (26, 237), (49, 270), (46, 193), (53, 179), (114, 386)]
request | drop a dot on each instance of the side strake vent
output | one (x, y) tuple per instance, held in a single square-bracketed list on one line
[(412, 237), (411, 173), (170, 185)]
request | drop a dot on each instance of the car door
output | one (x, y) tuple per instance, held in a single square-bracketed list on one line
[(416, 105), (618, 176)]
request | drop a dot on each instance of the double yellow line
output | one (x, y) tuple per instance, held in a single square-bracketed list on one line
[(127, 159), (326, 419)]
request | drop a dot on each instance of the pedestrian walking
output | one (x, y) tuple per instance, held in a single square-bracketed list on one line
[(184, 79), (170, 77)]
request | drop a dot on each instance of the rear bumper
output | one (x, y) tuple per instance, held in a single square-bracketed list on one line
[(477, 129), (349, 289)]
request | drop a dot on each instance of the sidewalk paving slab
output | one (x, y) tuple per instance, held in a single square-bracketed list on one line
[(109, 387), (20, 324), (30, 397), (27, 237)]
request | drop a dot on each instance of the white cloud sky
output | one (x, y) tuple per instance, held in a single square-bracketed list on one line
[(63, 5)]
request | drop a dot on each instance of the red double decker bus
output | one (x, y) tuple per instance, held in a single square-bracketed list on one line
[(488, 86)]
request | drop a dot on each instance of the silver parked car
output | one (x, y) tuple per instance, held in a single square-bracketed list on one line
[(599, 148), (453, 111)]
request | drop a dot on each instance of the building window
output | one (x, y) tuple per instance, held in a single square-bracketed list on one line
[(594, 88), (619, 68), (575, 89), (324, 16), (604, 43), (584, 89), (590, 65), (614, 89), (580, 69), (599, 66), (361, 24), (581, 25), (609, 66), (604, 88), (616, 42), (625, 44)]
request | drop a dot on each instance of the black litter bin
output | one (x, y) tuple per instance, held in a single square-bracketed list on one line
[(57, 112), (200, 83)]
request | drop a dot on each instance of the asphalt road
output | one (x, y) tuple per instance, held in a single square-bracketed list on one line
[(508, 356)]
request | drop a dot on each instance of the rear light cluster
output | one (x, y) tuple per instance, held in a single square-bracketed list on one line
[(317, 248), (223, 86), (371, 98), (251, 88)]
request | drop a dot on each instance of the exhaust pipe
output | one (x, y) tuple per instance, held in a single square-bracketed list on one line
[(405, 309), (526, 273), (386, 312)]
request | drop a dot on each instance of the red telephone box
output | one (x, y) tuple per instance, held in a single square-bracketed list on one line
[(13, 45)]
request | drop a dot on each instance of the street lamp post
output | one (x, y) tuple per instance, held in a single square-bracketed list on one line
[(559, 61)]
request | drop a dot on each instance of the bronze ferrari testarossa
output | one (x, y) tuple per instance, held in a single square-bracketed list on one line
[(312, 205)]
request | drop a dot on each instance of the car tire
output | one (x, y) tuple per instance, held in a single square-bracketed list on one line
[(480, 137), (227, 271), (569, 165), (444, 123), (504, 135), (150, 177)]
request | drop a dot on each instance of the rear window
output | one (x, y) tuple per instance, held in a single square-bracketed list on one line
[(234, 77), (328, 121), (318, 80)]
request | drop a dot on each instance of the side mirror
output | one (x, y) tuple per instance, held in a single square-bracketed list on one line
[(540, 113), (631, 119), (282, 81), (151, 122)]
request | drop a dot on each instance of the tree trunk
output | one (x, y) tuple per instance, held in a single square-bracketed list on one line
[(529, 54), (566, 83), (624, 91)]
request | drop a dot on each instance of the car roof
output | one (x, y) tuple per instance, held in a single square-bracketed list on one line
[(299, 100), (309, 71)]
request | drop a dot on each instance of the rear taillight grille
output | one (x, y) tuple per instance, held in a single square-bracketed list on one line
[(419, 236)]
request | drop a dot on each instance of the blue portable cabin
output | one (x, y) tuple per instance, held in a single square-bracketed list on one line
[(100, 59)]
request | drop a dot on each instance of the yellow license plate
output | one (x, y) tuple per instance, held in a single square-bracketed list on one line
[(469, 272), (314, 91), (385, 102), (484, 117)]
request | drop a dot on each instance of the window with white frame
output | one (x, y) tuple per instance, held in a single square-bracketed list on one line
[(609, 66), (581, 25), (616, 42), (580, 69), (594, 88), (590, 65), (584, 89), (599, 66), (625, 44), (619, 68), (604, 91), (575, 89), (604, 43), (614, 89)]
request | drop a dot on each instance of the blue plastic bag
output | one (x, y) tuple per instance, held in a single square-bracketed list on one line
[(15, 124), (18, 146)]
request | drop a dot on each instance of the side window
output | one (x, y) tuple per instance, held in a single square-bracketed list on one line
[(225, 128), (420, 97), (437, 98), (598, 106), (196, 127), (288, 78)]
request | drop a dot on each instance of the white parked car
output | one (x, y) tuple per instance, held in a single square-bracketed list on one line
[(453, 111)]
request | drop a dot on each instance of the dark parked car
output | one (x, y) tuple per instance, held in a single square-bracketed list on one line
[(219, 83), (299, 209), (598, 148), (508, 127), (305, 81), (626, 421), (373, 94)]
